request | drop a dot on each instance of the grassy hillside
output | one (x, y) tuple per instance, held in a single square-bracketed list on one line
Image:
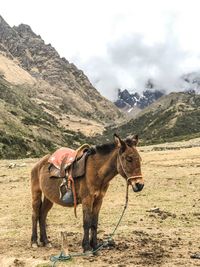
[(45, 101), (26, 129), (173, 117)]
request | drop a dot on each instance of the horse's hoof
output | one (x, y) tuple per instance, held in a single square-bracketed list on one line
[(96, 253), (88, 253), (98, 247), (34, 245), (48, 245)]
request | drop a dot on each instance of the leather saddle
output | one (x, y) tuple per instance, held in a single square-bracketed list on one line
[(77, 164)]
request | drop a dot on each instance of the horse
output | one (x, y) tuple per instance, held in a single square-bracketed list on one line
[(103, 164)]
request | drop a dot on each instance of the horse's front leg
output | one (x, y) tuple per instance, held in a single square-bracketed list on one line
[(87, 222), (94, 222)]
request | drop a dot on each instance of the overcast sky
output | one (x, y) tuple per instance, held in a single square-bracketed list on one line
[(118, 43)]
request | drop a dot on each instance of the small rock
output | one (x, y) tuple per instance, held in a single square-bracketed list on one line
[(195, 256), (154, 210), (12, 165), (22, 165)]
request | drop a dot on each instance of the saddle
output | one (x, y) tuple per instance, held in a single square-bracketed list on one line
[(69, 165), (65, 158)]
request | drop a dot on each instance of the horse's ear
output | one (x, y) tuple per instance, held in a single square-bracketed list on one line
[(135, 139), (132, 140), (119, 143)]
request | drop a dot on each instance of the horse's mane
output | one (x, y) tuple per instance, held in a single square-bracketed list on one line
[(105, 148)]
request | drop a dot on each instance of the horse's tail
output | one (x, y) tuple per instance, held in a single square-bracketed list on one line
[(36, 196)]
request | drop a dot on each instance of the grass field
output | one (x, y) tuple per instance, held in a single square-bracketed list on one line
[(161, 226)]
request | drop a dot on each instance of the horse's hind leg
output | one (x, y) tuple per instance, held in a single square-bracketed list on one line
[(36, 204), (46, 206)]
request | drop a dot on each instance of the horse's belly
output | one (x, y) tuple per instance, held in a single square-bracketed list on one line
[(51, 190)]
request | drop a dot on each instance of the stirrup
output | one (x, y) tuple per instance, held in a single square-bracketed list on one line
[(68, 197), (66, 194)]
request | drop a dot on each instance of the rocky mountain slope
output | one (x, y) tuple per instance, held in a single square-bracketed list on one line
[(44, 96), (171, 118)]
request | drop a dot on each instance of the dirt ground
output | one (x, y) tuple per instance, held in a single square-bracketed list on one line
[(161, 226)]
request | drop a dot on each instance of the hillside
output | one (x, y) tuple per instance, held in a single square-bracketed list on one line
[(26, 130), (59, 83), (132, 102), (45, 100), (171, 118)]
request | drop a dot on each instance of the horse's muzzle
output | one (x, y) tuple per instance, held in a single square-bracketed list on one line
[(137, 187)]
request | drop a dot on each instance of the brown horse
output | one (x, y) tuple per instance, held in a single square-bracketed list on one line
[(104, 163)]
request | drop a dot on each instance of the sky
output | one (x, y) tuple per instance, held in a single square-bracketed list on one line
[(117, 43)]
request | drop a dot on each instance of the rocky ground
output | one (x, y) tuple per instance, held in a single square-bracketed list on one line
[(161, 226)]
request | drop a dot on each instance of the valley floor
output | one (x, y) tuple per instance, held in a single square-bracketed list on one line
[(161, 226)]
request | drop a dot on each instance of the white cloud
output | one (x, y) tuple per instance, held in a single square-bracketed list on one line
[(118, 43)]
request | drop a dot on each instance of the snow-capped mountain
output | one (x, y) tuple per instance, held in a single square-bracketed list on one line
[(129, 100), (192, 82)]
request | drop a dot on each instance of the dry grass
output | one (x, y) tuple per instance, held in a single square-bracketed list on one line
[(165, 238), (13, 73)]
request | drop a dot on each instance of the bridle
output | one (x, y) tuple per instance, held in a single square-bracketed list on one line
[(127, 183), (134, 177)]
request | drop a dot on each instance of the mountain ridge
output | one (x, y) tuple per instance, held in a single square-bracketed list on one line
[(172, 117), (128, 100), (44, 64), (45, 101)]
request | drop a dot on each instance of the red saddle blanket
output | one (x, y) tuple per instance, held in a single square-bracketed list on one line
[(63, 153)]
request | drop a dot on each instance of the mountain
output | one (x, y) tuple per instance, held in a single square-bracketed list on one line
[(45, 100), (129, 100), (132, 103), (192, 82), (172, 117)]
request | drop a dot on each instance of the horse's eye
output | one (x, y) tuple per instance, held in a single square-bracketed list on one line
[(129, 159)]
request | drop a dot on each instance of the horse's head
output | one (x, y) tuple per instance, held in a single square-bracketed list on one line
[(129, 161)]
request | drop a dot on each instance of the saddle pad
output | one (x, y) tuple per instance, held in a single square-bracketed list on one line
[(63, 153)]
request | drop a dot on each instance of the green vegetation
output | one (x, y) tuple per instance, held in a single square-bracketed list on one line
[(175, 118), (11, 145), (26, 130)]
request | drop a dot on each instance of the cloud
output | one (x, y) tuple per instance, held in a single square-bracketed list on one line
[(131, 60), (118, 43)]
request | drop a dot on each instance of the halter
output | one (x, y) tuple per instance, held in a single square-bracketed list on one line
[(128, 177)]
